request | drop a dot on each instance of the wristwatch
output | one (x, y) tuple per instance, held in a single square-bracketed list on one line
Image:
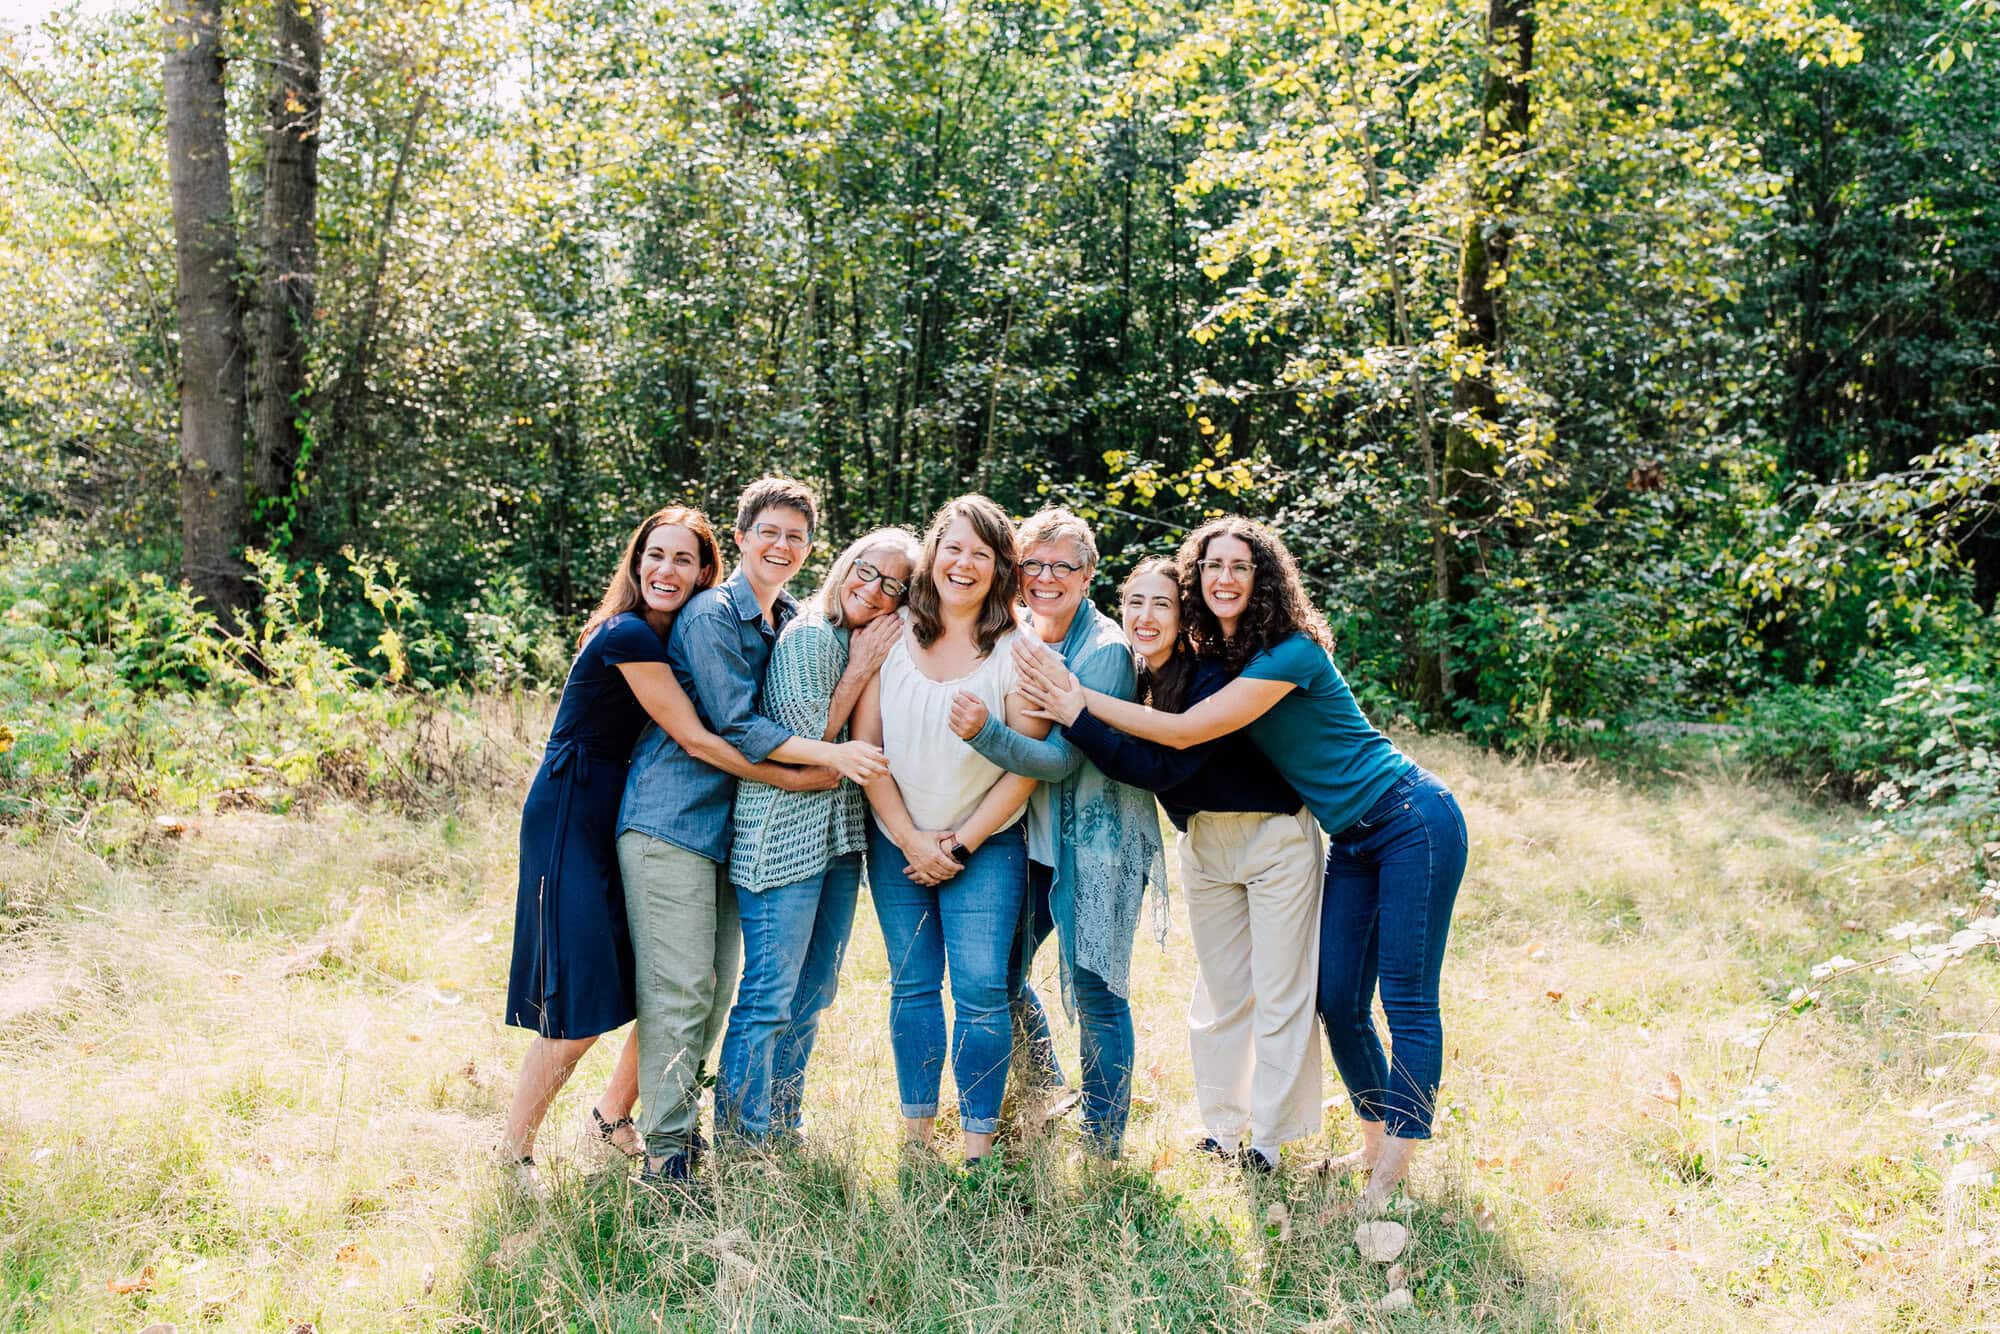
[(958, 852)]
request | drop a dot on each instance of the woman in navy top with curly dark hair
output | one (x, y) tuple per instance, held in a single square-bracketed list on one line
[(571, 980)]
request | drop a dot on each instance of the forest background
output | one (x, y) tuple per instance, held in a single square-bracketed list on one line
[(1605, 365), (1625, 375)]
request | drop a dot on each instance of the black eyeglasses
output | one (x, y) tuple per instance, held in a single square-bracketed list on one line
[(1061, 569), (895, 588)]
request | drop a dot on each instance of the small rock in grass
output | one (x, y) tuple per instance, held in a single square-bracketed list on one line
[(1381, 1241)]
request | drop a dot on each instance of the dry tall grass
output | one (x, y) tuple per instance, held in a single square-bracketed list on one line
[(249, 1074)]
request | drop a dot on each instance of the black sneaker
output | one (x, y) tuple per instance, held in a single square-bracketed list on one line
[(1212, 1146), (1253, 1161), (674, 1170)]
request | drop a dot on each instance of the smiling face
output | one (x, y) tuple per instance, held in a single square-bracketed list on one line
[(1228, 573), (1053, 597), (1152, 615), (862, 597), (962, 570), (670, 569), (774, 546)]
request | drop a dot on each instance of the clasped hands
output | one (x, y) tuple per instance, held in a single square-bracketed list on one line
[(929, 863)]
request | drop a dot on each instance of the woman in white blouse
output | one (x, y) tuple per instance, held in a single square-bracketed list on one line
[(947, 861)]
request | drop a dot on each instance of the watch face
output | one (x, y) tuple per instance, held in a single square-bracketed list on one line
[(960, 853)]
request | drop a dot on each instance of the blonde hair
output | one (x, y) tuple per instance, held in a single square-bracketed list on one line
[(900, 540)]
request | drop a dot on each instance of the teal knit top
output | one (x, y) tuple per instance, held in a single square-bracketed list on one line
[(785, 837)]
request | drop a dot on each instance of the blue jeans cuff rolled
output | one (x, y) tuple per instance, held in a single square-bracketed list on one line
[(979, 1125), (916, 1110)]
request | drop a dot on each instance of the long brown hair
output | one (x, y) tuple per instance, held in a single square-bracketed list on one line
[(1278, 604), (622, 593), (989, 525), (1165, 689)]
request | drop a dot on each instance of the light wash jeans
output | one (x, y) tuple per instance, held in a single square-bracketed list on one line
[(967, 924), (794, 938)]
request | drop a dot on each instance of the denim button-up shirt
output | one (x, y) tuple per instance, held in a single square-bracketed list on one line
[(718, 649)]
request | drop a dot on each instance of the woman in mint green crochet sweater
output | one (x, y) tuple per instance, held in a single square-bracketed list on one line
[(796, 856)]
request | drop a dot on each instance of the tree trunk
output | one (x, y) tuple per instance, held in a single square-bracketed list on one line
[(1470, 458), (871, 501), (827, 423), (213, 413), (291, 257), (354, 377)]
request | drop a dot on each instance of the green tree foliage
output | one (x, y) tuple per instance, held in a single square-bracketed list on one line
[(1152, 258)]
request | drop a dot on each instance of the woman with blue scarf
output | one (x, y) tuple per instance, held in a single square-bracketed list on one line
[(1092, 843)]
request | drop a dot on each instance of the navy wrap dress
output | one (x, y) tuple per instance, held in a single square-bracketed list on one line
[(572, 975)]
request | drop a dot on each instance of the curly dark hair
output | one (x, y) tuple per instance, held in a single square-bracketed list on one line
[(991, 526), (1166, 689), (1278, 604)]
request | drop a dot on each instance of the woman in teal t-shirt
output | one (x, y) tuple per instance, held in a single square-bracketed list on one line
[(1396, 841)]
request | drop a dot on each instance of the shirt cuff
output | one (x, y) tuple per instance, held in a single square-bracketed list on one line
[(761, 738)]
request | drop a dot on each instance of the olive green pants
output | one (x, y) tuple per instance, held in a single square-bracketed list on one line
[(687, 950)]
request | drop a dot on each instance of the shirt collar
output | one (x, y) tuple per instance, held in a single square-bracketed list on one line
[(1083, 625), (743, 599)]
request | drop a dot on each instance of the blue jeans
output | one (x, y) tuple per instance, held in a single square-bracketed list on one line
[(794, 938), (966, 923), (1036, 1045), (1104, 1020), (1391, 879)]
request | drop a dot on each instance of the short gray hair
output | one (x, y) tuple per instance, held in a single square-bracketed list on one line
[(1055, 523)]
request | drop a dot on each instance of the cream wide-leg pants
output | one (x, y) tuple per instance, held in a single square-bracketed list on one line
[(1253, 894)]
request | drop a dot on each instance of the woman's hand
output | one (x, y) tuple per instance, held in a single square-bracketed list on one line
[(930, 864), (860, 761), (868, 646), (810, 778), (1047, 685), (968, 715)]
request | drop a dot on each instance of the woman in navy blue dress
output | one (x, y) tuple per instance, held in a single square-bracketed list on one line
[(571, 979)]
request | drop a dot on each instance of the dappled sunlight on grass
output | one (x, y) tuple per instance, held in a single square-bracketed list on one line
[(252, 1072)]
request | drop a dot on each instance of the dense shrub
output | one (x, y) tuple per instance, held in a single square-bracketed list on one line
[(1915, 733), (117, 691)]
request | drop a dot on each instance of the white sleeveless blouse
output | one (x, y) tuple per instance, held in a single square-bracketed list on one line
[(942, 779)]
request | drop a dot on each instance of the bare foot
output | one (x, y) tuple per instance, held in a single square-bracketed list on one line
[(1360, 1160), (1364, 1159), (1041, 1110), (1389, 1171)]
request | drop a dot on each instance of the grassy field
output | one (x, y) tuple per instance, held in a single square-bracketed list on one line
[(250, 1072)]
